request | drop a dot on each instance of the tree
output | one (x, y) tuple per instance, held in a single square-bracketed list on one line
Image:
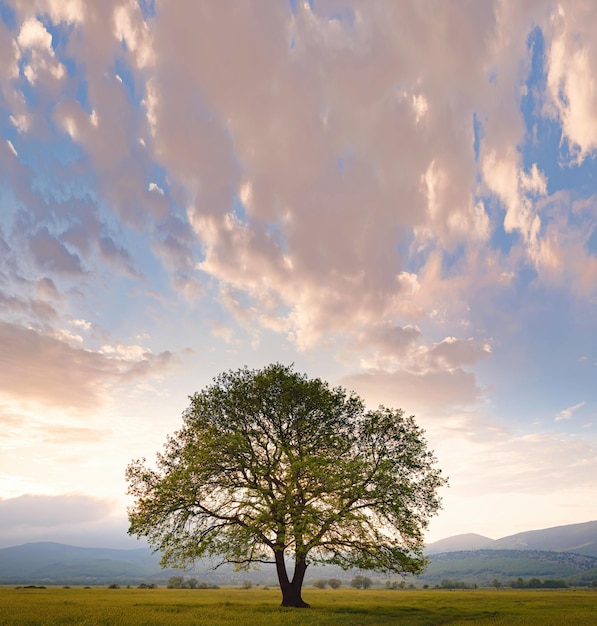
[(334, 583), (270, 464), (320, 583), (361, 582)]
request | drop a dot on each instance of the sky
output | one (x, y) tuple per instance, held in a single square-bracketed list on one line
[(397, 197)]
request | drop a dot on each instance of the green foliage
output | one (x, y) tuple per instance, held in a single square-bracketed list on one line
[(453, 584), (536, 583), (180, 582), (271, 463), (361, 582), (335, 583), (394, 584)]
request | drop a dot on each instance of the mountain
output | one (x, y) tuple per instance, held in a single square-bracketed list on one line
[(568, 552), (483, 566), (56, 562), (561, 552), (457, 543), (578, 538), (61, 564)]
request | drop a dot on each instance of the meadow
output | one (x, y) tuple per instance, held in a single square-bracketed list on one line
[(258, 606)]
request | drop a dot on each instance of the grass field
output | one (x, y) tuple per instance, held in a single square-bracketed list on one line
[(259, 607)]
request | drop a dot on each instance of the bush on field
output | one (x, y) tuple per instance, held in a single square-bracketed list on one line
[(536, 583), (335, 583), (454, 584), (361, 582), (180, 582)]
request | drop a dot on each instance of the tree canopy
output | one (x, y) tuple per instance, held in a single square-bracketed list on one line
[(270, 464)]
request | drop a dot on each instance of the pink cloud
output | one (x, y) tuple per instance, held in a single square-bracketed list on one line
[(42, 369)]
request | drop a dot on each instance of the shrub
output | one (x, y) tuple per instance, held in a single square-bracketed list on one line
[(335, 583), (361, 582)]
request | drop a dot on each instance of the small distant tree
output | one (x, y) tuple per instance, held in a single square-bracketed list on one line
[(554, 583), (270, 464), (361, 582), (335, 583), (247, 584), (534, 583), (175, 582), (496, 583), (320, 583)]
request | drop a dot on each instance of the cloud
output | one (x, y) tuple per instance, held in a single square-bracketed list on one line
[(49, 371), (566, 414), (571, 90), (436, 394), (50, 254), (315, 166), (36, 43), (70, 518), (532, 463), (34, 35)]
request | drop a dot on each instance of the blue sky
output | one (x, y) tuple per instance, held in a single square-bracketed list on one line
[(397, 197)]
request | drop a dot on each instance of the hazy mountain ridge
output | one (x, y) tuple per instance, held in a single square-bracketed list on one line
[(63, 563), (563, 551), (575, 561), (56, 563), (484, 566), (457, 543), (577, 538)]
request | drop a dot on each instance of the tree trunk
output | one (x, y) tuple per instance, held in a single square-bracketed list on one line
[(291, 589)]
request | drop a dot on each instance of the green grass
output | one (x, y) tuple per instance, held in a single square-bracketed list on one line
[(255, 607)]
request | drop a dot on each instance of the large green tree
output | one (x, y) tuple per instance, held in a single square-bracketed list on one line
[(271, 464)]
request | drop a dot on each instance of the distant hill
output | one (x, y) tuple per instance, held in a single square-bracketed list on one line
[(47, 561), (61, 564), (561, 552), (483, 566), (578, 538), (457, 543), (568, 552)]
